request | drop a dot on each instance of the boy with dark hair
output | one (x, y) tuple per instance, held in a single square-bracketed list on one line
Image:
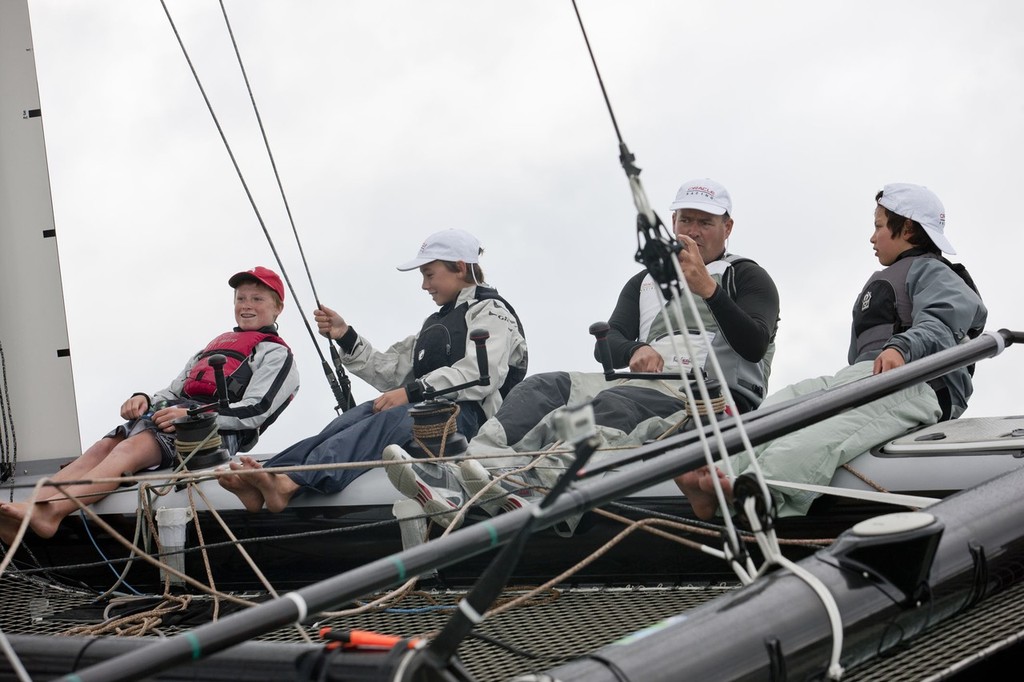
[(919, 304)]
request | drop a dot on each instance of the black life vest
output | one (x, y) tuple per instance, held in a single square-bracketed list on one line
[(884, 308), (237, 347), (442, 340)]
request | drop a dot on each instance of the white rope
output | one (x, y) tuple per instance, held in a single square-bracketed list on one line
[(12, 658), (748, 448), (684, 292), (743, 572), (766, 539), (773, 555), (867, 495)]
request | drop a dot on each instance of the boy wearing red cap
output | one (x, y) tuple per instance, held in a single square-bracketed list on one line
[(262, 378)]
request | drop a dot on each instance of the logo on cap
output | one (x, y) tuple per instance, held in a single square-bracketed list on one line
[(706, 191)]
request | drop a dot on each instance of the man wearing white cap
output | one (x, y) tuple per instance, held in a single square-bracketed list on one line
[(919, 304), (739, 306), (737, 298)]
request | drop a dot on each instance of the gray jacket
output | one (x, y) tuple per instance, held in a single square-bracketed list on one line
[(919, 306)]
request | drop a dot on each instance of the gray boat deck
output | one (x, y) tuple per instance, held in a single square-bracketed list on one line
[(555, 626)]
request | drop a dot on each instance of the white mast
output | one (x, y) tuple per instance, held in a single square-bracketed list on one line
[(38, 410)]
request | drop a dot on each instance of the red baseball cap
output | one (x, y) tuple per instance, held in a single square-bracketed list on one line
[(262, 275)]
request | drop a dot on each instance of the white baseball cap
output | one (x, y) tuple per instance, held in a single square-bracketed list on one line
[(451, 245), (921, 205), (704, 195)]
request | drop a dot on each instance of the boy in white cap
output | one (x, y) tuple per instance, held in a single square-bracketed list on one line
[(261, 378), (441, 355), (919, 304)]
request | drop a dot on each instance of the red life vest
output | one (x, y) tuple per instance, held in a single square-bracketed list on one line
[(236, 347)]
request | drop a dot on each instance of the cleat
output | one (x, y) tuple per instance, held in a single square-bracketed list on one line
[(435, 485)]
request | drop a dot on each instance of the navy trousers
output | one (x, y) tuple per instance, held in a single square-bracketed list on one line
[(358, 435)]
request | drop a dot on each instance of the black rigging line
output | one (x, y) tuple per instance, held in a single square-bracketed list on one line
[(9, 441), (656, 247), (343, 389), (342, 404)]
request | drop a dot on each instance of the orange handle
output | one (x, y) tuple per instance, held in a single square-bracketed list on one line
[(361, 639)]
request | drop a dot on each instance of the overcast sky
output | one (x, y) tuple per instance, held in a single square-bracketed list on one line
[(391, 120)]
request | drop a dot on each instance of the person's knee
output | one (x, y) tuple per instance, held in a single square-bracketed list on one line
[(542, 377), (537, 383), (141, 451)]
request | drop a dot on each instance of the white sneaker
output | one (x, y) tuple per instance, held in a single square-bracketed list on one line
[(435, 485), (502, 496)]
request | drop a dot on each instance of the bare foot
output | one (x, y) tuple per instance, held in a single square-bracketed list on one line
[(277, 490), (243, 487), (699, 488), (43, 522), (9, 528), (707, 484)]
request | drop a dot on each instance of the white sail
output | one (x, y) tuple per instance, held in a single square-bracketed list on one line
[(40, 417)]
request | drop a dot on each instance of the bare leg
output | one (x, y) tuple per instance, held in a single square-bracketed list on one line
[(277, 489), (12, 514), (135, 453), (699, 488), (79, 468), (243, 486)]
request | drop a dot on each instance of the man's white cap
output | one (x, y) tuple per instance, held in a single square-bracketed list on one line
[(450, 245), (921, 205), (704, 195)]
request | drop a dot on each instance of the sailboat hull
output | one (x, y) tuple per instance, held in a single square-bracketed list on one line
[(320, 536), (778, 628)]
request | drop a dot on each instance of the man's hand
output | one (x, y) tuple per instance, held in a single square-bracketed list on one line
[(329, 323), (134, 407), (698, 279), (890, 358), (393, 398), (164, 419), (646, 359)]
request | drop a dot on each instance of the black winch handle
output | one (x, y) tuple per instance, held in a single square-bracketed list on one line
[(600, 332), (217, 362), (221, 399), (479, 337)]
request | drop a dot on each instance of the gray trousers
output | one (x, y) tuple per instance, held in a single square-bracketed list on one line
[(627, 412), (812, 454)]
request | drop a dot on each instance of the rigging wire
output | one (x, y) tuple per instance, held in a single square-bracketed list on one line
[(344, 398), (9, 440), (343, 404), (656, 246), (658, 254), (626, 157), (657, 249)]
